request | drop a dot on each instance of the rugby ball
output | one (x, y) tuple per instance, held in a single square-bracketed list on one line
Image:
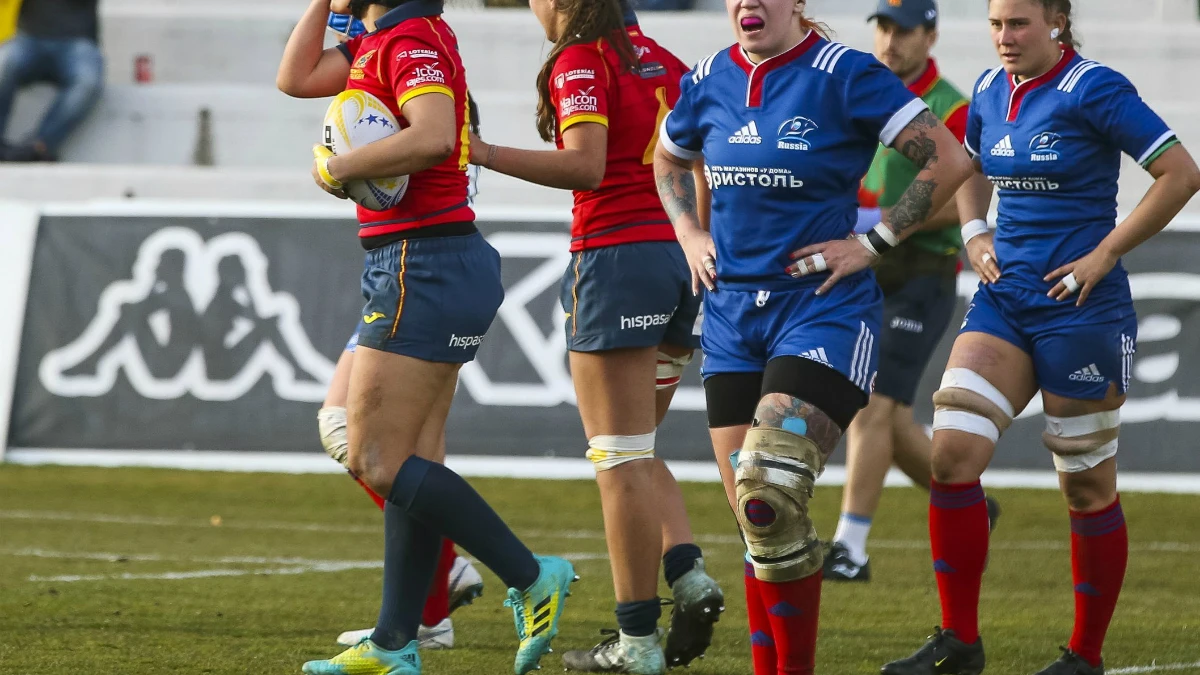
[(354, 119)]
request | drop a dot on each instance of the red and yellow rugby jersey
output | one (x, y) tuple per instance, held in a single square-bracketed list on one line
[(588, 84), (413, 52)]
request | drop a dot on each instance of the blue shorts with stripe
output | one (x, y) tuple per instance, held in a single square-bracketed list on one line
[(1077, 352), (430, 298), (744, 329), (630, 295)]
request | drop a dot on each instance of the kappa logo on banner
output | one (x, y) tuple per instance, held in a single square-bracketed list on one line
[(196, 317)]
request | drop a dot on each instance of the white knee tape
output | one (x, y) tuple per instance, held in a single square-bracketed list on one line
[(609, 452), (968, 402), (670, 369), (1082, 442), (331, 422)]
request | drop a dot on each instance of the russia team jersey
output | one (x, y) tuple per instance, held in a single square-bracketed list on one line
[(589, 84), (1052, 146), (413, 52), (785, 144)]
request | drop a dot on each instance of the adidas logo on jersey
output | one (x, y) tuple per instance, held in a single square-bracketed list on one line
[(1089, 374), (747, 135), (1004, 148), (817, 355)]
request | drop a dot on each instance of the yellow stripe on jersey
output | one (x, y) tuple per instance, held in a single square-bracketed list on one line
[(421, 91), (584, 117)]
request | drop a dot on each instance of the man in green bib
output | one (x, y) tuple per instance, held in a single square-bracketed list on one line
[(918, 279)]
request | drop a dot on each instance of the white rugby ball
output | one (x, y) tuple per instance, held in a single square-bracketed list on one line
[(354, 119)]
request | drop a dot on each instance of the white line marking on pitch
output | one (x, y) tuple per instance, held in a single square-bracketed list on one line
[(1154, 668), (714, 539)]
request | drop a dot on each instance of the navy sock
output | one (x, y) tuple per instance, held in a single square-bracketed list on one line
[(639, 619), (410, 557), (679, 561), (442, 500)]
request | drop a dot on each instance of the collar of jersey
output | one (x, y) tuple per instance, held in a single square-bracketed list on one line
[(926, 81), (1018, 92), (412, 9), (779, 60)]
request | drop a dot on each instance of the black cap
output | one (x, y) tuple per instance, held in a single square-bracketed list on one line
[(909, 14)]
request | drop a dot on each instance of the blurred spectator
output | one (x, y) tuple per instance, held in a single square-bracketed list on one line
[(57, 41)]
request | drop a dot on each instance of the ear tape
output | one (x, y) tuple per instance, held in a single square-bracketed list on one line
[(1055, 33)]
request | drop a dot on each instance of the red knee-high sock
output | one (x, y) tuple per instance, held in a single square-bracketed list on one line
[(374, 497), (1099, 551), (958, 534), (762, 642), (437, 603), (793, 608)]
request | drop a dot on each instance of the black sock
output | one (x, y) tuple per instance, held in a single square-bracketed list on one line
[(442, 500), (639, 619), (679, 561), (410, 557)]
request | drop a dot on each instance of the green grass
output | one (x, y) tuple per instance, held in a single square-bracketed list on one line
[(53, 522)]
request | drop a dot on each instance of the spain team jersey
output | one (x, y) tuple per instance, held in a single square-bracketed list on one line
[(413, 52), (589, 84), (1052, 146), (785, 144)]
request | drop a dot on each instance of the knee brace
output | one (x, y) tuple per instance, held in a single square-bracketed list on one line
[(331, 422), (1080, 443), (609, 452), (670, 369), (967, 402), (776, 471)]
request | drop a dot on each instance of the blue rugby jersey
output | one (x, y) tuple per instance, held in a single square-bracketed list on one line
[(785, 144), (1052, 146)]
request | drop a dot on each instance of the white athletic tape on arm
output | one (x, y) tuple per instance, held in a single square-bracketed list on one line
[(972, 229), (609, 452)]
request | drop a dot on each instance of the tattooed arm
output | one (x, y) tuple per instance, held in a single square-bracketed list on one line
[(677, 179), (944, 165)]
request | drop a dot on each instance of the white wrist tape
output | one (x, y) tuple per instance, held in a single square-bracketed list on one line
[(973, 229)]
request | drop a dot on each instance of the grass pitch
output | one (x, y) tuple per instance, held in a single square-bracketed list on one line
[(135, 572)]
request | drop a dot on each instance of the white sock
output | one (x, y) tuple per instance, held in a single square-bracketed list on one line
[(852, 532)]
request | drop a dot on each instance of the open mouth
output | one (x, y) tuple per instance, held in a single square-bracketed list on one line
[(752, 24)]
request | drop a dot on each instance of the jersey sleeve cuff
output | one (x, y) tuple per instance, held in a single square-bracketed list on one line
[(583, 117), (673, 147), (421, 91), (900, 120), (345, 52), (1155, 147), (970, 151)]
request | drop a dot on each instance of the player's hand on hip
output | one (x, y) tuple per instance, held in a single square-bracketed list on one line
[(321, 175), (982, 254), (479, 149), (841, 258), (701, 255), (1081, 276)]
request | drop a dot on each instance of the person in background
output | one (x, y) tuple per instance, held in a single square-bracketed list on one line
[(918, 280), (57, 41)]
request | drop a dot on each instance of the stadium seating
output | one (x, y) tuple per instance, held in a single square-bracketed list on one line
[(203, 60)]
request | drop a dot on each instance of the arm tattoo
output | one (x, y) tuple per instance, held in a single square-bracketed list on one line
[(775, 408), (677, 189), (916, 204)]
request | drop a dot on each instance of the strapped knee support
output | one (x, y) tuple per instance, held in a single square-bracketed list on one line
[(670, 369), (331, 422), (1080, 443), (609, 452), (776, 471), (967, 402)]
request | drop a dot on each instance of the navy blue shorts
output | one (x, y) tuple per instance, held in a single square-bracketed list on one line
[(1077, 351), (743, 330), (630, 295), (431, 299), (915, 316)]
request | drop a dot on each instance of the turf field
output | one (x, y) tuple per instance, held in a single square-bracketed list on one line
[(135, 572)]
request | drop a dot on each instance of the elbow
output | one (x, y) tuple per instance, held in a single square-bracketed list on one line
[(288, 85), (1192, 181), (440, 150), (592, 180)]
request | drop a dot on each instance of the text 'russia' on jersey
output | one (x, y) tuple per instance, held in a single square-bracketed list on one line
[(1052, 146), (413, 52), (785, 143), (589, 84)]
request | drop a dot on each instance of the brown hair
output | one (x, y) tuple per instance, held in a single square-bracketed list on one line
[(822, 30), (1067, 37), (587, 21)]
